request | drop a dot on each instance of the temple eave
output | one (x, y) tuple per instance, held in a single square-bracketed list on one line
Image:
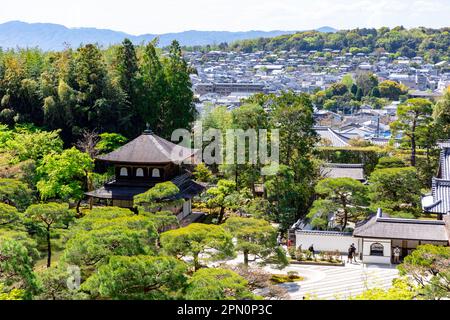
[(188, 190)]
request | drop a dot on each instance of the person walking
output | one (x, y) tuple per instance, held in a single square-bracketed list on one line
[(350, 255), (353, 248), (397, 252), (279, 240), (311, 249)]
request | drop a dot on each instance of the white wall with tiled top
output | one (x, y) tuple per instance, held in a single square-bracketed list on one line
[(327, 242)]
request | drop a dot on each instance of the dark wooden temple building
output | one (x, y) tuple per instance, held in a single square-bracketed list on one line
[(140, 165)]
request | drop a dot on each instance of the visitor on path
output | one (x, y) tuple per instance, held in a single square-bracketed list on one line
[(350, 255), (397, 253), (353, 248), (279, 240), (311, 249)]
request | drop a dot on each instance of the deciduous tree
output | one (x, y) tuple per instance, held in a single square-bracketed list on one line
[(345, 198), (396, 191), (198, 241), (221, 195), (15, 193), (137, 278), (414, 117), (429, 267), (49, 216), (64, 176), (16, 267), (256, 237), (161, 196), (8, 214), (217, 284), (392, 90)]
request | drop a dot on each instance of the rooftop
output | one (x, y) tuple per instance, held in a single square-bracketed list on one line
[(439, 200), (331, 136), (380, 227), (149, 149), (117, 191), (339, 170)]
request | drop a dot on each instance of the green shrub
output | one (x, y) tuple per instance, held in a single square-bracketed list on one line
[(282, 278), (390, 162), (292, 252)]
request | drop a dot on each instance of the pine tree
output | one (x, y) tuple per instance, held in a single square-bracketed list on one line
[(359, 94), (129, 80), (181, 110), (152, 109), (375, 92)]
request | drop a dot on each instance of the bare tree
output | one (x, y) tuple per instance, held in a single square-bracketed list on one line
[(88, 143)]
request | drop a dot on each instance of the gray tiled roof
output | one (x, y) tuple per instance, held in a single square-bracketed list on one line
[(335, 138), (149, 149), (440, 197), (444, 144), (338, 170), (445, 164), (188, 189), (402, 229), (325, 233)]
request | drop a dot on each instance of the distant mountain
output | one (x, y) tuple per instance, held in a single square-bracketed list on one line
[(327, 29), (49, 36)]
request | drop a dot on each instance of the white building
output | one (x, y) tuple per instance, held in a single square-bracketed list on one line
[(380, 235), (376, 238)]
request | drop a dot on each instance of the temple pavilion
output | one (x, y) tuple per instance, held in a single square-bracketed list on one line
[(140, 165)]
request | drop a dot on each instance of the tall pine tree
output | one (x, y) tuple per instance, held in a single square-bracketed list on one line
[(152, 110), (181, 109), (129, 80)]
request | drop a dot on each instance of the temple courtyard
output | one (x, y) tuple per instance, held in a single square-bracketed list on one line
[(337, 283)]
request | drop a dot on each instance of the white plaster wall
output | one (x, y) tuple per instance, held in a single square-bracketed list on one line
[(187, 210), (377, 260), (326, 242), (386, 259)]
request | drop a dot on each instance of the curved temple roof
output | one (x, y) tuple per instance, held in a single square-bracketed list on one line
[(149, 149)]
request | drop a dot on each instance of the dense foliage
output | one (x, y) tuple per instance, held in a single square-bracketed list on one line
[(61, 109), (119, 90), (432, 43)]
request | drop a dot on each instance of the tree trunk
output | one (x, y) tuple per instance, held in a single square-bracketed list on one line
[(345, 221), (264, 187), (236, 177), (246, 258), (221, 215), (413, 151), (91, 203), (413, 143), (78, 207), (196, 262), (344, 206), (49, 249)]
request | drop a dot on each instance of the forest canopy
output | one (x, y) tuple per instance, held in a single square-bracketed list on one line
[(119, 89), (433, 44)]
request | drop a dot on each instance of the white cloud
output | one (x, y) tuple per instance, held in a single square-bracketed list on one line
[(141, 16)]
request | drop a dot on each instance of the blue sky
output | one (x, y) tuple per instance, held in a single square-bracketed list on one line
[(162, 16)]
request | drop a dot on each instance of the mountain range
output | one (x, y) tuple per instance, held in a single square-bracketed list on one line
[(48, 36)]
